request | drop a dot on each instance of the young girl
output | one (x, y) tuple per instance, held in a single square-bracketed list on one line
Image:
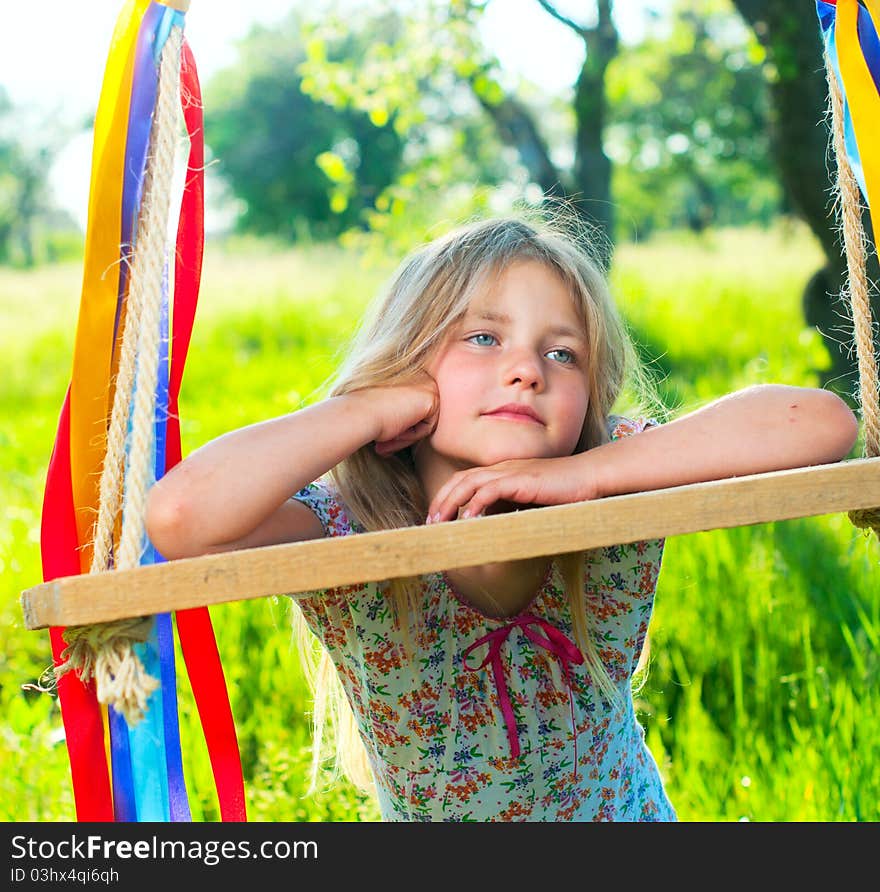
[(484, 382)]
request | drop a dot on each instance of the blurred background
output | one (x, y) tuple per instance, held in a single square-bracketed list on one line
[(351, 119), (691, 140)]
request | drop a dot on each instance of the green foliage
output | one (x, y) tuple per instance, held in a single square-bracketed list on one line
[(417, 70), (274, 144), (376, 125), (762, 699), (689, 125)]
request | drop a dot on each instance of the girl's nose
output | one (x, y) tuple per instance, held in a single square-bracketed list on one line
[(524, 368)]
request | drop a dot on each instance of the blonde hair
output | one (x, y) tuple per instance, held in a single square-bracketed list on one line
[(428, 294)]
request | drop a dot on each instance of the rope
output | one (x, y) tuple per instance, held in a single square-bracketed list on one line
[(106, 652), (849, 200), (146, 281)]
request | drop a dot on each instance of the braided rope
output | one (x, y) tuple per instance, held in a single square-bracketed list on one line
[(114, 457), (848, 198), (106, 652), (147, 275)]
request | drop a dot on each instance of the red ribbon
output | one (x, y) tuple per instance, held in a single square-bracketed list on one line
[(80, 710), (190, 245), (553, 641)]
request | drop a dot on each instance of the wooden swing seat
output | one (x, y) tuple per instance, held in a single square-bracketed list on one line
[(301, 567)]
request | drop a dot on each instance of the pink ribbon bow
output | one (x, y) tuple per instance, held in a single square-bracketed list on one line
[(552, 640)]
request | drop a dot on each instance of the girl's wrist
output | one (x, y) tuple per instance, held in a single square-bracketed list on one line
[(593, 472), (362, 410)]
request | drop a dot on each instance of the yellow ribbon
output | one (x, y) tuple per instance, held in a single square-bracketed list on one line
[(860, 90), (93, 347)]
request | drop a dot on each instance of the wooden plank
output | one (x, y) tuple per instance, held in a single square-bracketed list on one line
[(303, 567)]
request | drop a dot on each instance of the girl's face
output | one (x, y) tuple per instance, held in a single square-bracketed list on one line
[(511, 374)]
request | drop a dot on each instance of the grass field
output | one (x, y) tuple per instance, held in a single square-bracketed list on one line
[(762, 702)]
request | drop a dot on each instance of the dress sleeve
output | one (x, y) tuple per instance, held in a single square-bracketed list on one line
[(619, 426), (329, 609), (621, 581), (323, 499)]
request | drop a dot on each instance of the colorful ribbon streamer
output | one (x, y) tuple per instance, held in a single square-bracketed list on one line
[(145, 780), (849, 31)]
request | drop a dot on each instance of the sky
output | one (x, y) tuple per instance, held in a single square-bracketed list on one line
[(52, 55)]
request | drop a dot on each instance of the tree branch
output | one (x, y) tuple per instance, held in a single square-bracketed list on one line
[(516, 127), (570, 23)]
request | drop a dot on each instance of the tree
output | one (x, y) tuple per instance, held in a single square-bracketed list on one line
[(589, 180), (286, 157), (414, 76), (705, 111), (795, 74), (688, 124), (438, 51)]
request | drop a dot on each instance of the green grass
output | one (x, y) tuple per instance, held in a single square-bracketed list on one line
[(763, 700)]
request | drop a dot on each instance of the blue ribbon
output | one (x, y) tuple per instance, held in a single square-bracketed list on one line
[(124, 803), (143, 99), (870, 44), (170, 18), (147, 742), (178, 802)]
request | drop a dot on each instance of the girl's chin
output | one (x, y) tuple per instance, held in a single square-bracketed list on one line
[(496, 456), (481, 455)]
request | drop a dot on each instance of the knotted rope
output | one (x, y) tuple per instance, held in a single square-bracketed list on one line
[(849, 202), (106, 652)]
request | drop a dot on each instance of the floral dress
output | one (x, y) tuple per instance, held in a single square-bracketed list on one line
[(495, 719)]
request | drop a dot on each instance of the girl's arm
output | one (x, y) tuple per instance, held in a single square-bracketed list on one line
[(768, 427), (235, 491)]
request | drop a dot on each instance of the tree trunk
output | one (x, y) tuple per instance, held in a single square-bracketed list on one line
[(587, 189), (516, 127), (592, 168), (792, 39)]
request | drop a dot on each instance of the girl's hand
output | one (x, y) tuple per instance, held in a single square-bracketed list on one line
[(530, 481), (406, 413)]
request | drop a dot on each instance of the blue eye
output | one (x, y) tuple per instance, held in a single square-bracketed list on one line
[(482, 334), (568, 356)]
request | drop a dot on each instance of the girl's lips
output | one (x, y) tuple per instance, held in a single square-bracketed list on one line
[(512, 415)]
